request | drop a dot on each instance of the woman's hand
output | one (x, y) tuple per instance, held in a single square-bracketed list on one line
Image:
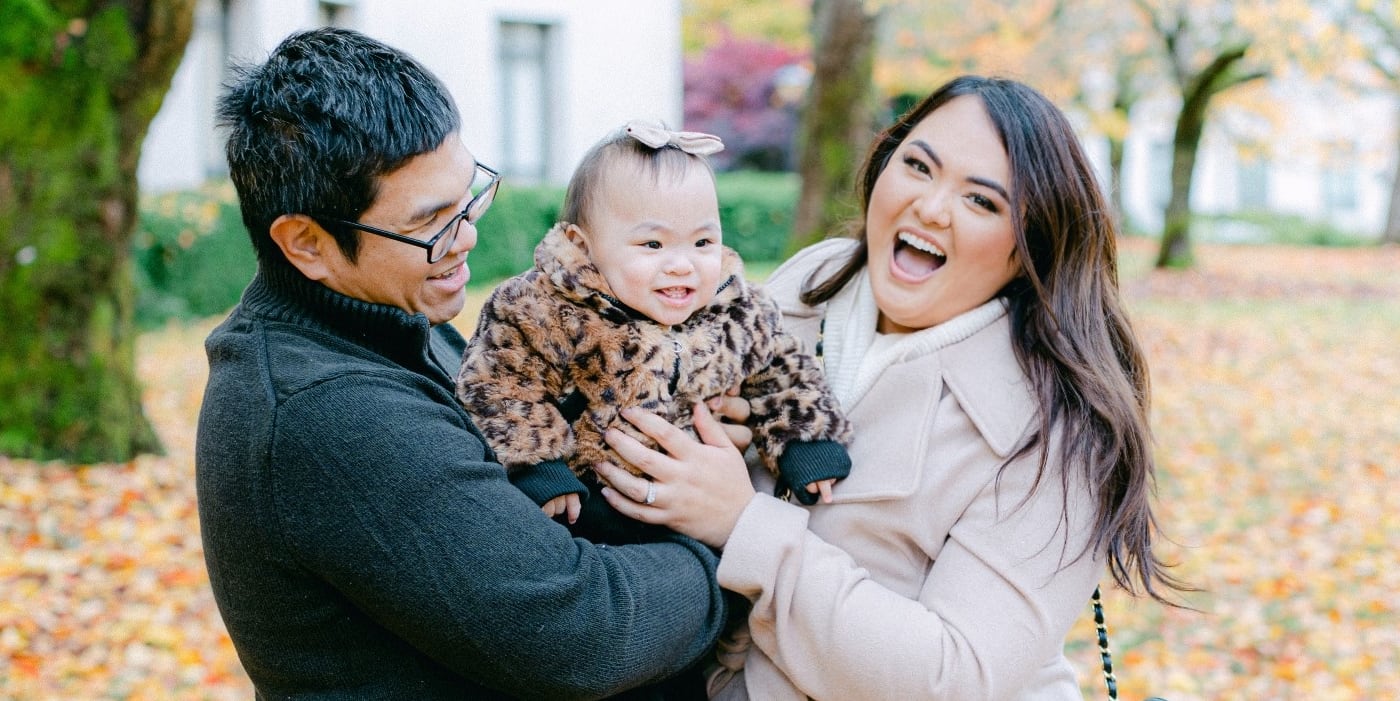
[(696, 488)]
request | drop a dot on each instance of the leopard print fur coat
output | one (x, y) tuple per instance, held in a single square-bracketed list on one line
[(555, 333)]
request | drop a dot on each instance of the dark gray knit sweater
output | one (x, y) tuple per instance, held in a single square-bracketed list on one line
[(361, 542)]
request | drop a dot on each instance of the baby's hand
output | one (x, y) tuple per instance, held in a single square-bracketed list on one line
[(563, 504), (822, 486)]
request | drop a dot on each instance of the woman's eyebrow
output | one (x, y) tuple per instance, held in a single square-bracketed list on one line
[(984, 182), (991, 184), (928, 151)]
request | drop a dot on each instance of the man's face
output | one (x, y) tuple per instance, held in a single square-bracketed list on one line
[(416, 200)]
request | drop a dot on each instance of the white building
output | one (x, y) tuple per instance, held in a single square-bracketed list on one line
[(1329, 156), (537, 81)]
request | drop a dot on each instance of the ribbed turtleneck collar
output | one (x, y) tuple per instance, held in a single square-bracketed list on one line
[(281, 293)]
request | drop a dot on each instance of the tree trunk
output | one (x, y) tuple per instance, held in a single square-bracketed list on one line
[(1116, 149), (1124, 97), (1176, 223), (837, 122), (1196, 94), (1392, 217), (81, 86)]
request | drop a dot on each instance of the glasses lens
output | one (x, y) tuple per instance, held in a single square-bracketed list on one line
[(444, 242), (483, 192)]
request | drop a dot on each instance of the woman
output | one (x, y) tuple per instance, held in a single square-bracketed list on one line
[(974, 334)]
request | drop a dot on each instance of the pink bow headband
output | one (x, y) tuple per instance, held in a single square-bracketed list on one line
[(692, 142)]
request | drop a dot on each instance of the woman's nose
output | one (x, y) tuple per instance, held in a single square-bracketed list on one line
[(932, 208)]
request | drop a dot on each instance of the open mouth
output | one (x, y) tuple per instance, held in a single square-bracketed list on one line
[(451, 274), (676, 294), (916, 256)]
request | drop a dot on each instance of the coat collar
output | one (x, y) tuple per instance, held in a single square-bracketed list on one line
[(983, 373)]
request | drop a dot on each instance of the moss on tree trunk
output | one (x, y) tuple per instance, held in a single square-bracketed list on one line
[(81, 86), (837, 120)]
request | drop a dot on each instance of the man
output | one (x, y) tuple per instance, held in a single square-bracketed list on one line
[(360, 539)]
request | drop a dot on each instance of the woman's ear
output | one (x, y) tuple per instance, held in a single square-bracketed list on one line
[(304, 243)]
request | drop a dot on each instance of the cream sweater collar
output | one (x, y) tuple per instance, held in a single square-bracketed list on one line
[(852, 364)]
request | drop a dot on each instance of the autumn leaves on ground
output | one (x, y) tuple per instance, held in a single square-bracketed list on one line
[(1277, 414)]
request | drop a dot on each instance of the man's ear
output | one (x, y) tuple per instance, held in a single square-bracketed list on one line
[(304, 243), (576, 237)]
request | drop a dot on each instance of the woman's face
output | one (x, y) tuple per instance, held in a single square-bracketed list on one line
[(939, 220)]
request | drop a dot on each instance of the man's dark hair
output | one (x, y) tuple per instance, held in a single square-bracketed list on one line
[(312, 129)]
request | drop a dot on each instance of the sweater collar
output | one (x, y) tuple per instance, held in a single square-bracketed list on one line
[(282, 293)]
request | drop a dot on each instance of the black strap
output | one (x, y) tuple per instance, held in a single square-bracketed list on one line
[(1104, 654)]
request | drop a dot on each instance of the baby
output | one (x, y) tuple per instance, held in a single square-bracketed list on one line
[(634, 301)]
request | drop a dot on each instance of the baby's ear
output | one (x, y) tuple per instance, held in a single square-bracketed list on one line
[(575, 236)]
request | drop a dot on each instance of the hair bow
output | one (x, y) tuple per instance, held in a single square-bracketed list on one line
[(692, 142)]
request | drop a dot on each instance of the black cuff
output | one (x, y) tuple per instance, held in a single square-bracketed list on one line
[(599, 522), (544, 481), (803, 463)]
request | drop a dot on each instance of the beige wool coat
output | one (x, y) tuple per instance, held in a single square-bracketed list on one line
[(934, 574)]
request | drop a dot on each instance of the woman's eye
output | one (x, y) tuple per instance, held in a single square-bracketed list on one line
[(916, 164), (984, 202)]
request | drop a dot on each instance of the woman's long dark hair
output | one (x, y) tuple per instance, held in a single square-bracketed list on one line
[(1068, 326)]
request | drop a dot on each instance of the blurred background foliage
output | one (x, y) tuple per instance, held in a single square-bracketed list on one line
[(193, 258)]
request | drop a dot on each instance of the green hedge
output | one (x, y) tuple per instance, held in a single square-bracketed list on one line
[(192, 255), (193, 258)]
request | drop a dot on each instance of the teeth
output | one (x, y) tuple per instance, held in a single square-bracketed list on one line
[(922, 244)]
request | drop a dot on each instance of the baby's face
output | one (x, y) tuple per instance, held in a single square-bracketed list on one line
[(657, 242)]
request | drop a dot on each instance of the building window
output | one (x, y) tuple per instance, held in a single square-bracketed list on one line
[(216, 26), (1252, 184), (336, 13), (1160, 165), (525, 88), (1339, 178)]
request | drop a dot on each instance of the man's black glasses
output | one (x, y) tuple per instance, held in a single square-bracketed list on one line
[(485, 182)]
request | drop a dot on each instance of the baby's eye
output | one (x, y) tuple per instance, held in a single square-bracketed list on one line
[(703, 243), (654, 245), (984, 202)]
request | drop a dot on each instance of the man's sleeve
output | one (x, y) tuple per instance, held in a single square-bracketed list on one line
[(396, 509)]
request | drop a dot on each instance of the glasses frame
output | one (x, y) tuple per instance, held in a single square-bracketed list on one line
[(487, 194)]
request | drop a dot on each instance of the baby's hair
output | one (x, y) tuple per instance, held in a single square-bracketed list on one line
[(624, 147)]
